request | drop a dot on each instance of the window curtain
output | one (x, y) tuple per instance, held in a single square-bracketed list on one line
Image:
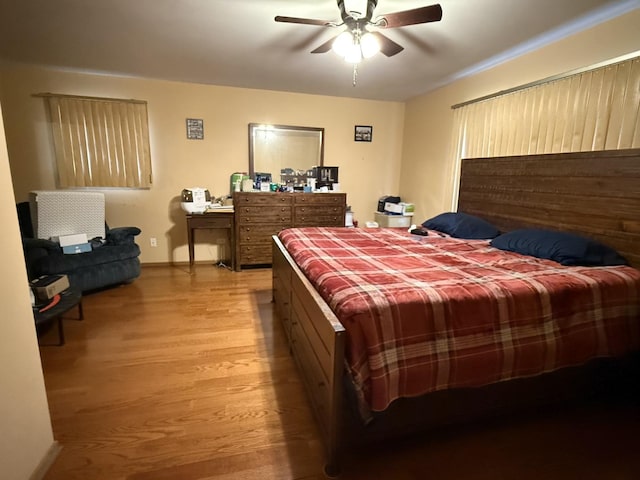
[(100, 142), (594, 110)]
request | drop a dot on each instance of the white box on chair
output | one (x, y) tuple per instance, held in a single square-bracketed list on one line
[(66, 240)]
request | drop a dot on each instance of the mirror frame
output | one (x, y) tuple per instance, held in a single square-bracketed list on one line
[(253, 127)]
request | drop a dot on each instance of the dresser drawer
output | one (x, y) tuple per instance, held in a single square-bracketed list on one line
[(313, 220), (321, 199), (261, 198), (257, 233), (277, 222), (276, 214), (255, 254), (318, 210)]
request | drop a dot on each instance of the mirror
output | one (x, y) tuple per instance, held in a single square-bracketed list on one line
[(273, 148)]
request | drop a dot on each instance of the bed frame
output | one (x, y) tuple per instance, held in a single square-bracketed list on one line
[(592, 193)]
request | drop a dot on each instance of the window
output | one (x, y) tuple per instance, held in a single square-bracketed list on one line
[(100, 142)]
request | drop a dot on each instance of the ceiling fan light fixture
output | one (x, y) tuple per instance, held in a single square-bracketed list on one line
[(369, 45), (354, 55), (347, 46), (343, 44)]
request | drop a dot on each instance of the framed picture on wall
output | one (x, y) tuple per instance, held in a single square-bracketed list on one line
[(363, 133), (195, 129)]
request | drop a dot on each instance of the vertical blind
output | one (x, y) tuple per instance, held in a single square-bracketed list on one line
[(594, 110), (100, 142)]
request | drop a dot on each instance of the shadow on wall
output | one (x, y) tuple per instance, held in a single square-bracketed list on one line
[(177, 233)]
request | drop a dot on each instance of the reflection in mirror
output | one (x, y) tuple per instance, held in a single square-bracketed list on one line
[(273, 148)]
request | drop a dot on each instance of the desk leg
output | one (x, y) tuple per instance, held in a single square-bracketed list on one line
[(60, 331), (190, 241), (232, 247)]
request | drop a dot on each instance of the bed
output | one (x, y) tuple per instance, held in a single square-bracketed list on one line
[(387, 317)]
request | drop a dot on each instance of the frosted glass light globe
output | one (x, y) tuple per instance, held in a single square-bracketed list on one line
[(343, 44), (370, 45)]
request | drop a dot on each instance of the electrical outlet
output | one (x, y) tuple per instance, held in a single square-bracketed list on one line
[(153, 241)]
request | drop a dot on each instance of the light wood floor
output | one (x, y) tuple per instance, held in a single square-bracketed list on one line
[(189, 378)]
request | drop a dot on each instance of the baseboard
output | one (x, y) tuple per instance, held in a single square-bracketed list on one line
[(164, 264), (46, 462), (178, 264)]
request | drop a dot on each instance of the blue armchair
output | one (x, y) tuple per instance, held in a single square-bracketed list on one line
[(110, 262)]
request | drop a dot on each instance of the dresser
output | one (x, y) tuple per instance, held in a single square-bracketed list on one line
[(259, 215)]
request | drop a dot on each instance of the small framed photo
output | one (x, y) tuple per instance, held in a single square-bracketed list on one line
[(195, 129), (363, 133)]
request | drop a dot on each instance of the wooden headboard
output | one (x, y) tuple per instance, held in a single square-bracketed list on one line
[(596, 194)]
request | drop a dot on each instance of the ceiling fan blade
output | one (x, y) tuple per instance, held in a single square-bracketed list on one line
[(432, 13), (304, 21), (325, 47), (387, 46)]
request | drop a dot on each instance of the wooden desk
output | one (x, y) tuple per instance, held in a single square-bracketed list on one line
[(209, 220)]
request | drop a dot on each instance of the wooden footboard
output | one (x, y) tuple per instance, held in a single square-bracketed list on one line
[(316, 340)]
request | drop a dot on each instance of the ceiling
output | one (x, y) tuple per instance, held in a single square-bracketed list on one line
[(238, 43)]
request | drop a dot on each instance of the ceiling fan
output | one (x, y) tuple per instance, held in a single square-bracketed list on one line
[(358, 41)]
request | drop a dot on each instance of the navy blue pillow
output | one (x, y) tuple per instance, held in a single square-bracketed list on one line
[(462, 225), (561, 247)]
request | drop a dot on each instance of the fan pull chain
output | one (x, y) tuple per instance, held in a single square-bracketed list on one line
[(355, 74)]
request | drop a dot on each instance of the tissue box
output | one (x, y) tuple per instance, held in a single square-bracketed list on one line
[(47, 286), (79, 248), (408, 209)]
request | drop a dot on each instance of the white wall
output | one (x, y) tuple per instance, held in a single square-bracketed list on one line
[(25, 425)]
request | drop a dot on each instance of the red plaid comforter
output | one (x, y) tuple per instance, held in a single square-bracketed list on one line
[(430, 313)]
